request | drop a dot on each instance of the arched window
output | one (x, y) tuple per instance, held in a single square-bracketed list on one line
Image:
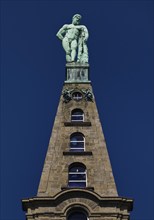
[(77, 142), (77, 215), (77, 175), (77, 115), (77, 96)]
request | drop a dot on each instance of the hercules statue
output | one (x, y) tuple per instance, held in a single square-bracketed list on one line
[(74, 36)]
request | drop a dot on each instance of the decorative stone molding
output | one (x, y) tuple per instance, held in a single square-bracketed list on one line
[(77, 123), (88, 95), (68, 94), (58, 206), (83, 153)]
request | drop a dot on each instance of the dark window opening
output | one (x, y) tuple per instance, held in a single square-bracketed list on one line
[(77, 216), (77, 142), (77, 115), (77, 96), (77, 176)]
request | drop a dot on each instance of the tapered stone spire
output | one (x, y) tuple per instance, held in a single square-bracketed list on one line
[(60, 156), (77, 175)]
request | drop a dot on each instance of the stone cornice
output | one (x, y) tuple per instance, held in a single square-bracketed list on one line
[(77, 123), (83, 153), (109, 201)]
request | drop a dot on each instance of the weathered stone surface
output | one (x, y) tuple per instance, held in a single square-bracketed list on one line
[(99, 198), (55, 172)]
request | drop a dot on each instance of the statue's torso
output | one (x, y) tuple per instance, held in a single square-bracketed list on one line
[(72, 32)]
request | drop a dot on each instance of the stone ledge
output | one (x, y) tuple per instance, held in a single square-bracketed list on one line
[(87, 188), (83, 82), (78, 123), (125, 204), (83, 153), (76, 64)]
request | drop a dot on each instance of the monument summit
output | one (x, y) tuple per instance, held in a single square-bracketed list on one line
[(77, 181)]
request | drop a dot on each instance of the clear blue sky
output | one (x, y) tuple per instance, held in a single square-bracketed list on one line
[(33, 71)]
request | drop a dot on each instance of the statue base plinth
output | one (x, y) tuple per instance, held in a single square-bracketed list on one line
[(77, 73)]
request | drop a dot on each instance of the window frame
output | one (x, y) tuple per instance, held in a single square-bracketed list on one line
[(81, 149), (77, 98), (79, 115), (77, 173)]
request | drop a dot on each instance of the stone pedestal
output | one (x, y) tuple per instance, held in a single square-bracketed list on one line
[(77, 73)]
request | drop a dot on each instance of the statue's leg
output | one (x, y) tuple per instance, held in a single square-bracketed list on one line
[(79, 52), (85, 49), (85, 53), (73, 49), (66, 46)]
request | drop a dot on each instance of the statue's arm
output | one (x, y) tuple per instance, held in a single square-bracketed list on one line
[(61, 32), (86, 33)]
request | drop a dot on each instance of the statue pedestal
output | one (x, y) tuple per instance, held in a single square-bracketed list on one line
[(77, 73)]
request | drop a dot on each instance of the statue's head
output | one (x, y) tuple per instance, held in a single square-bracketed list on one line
[(76, 19)]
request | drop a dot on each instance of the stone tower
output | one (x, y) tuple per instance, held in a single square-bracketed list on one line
[(77, 182)]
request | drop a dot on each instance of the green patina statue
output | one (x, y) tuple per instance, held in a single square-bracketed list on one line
[(74, 37)]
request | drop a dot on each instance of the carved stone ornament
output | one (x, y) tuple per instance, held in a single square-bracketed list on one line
[(88, 95), (68, 94)]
